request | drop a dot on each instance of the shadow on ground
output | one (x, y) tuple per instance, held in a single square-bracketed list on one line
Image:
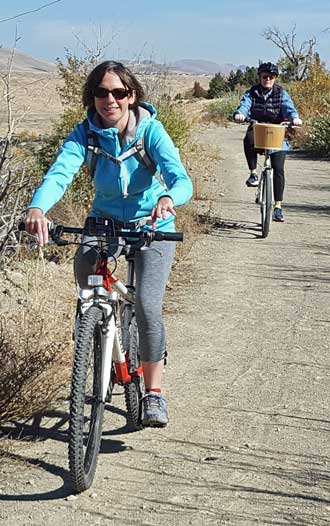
[(218, 225), (53, 425)]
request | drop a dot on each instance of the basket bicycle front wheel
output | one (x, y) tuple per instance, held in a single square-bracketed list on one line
[(266, 194), (86, 406)]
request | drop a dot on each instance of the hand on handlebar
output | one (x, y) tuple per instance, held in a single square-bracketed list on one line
[(36, 223), (239, 117), (296, 121)]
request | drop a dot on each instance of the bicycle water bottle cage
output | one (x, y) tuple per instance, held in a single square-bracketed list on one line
[(99, 227)]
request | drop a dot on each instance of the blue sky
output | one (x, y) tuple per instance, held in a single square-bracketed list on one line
[(168, 30)]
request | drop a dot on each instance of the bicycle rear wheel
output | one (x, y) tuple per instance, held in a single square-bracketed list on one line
[(266, 201), (86, 406), (136, 389)]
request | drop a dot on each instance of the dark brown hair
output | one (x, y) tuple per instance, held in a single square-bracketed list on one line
[(95, 78)]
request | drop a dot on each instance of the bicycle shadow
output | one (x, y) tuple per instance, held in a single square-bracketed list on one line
[(232, 227), (53, 425), (56, 426)]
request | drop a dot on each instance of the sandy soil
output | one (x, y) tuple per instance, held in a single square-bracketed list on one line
[(247, 381)]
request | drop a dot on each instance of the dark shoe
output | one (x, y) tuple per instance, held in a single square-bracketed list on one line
[(252, 180), (154, 410), (278, 215)]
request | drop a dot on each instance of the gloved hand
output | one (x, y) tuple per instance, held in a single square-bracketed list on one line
[(239, 117), (297, 122)]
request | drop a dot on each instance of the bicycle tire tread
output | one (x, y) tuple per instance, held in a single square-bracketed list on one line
[(133, 391), (266, 204), (80, 479)]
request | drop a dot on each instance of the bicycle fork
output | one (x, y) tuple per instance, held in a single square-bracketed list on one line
[(266, 171), (112, 350)]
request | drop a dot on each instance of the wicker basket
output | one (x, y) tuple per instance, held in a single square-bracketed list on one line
[(268, 136)]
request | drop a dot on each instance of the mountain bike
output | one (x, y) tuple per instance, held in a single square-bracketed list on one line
[(106, 347)]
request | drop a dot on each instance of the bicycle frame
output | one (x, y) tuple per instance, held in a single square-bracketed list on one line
[(266, 166), (106, 288), (264, 194)]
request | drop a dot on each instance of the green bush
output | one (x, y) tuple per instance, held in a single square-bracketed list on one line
[(221, 110), (80, 191), (317, 139), (175, 121)]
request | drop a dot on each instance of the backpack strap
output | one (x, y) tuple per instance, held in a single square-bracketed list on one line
[(92, 144), (93, 150), (147, 161), (143, 156)]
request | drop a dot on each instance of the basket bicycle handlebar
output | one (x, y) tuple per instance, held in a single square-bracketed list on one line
[(287, 124), (56, 232)]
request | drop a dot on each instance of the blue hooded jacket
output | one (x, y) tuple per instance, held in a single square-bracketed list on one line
[(126, 191)]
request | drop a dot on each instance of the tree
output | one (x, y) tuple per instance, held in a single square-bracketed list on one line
[(250, 76), (297, 57), (218, 86), (198, 91), (235, 78)]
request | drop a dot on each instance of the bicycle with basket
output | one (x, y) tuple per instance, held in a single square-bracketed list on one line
[(267, 138)]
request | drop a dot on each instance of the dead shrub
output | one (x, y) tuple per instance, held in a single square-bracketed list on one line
[(35, 342)]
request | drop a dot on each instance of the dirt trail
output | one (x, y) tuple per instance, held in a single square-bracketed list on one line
[(247, 380)]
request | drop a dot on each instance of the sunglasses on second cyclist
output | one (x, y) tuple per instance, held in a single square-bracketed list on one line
[(266, 77), (117, 93)]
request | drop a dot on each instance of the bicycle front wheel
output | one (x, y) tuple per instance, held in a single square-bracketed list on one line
[(136, 389), (86, 406), (266, 201)]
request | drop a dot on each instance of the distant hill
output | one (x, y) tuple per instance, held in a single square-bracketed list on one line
[(204, 67), (24, 63)]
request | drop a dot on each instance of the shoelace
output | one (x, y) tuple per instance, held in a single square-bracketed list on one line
[(153, 402)]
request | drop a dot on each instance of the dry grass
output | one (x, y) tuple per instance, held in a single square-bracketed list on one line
[(199, 160), (312, 96), (35, 338), (312, 99)]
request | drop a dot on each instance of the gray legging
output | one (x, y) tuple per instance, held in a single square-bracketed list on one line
[(152, 269)]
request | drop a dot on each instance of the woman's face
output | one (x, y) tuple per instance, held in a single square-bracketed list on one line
[(267, 80), (112, 102)]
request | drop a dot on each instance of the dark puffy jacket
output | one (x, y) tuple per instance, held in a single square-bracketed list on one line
[(267, 109)]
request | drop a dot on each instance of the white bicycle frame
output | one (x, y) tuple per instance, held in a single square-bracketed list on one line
[(112, 350), (265, 166)]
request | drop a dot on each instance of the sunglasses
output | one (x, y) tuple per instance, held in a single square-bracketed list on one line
[(265, 77), (117, 93)]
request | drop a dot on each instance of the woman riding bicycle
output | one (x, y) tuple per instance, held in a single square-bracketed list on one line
[(267, 102), (128, 193)]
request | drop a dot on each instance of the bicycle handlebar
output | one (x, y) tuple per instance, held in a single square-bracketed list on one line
[(56, 232), (287, 124)]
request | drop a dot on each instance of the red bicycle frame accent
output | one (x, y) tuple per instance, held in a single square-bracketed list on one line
[(121, 368)]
